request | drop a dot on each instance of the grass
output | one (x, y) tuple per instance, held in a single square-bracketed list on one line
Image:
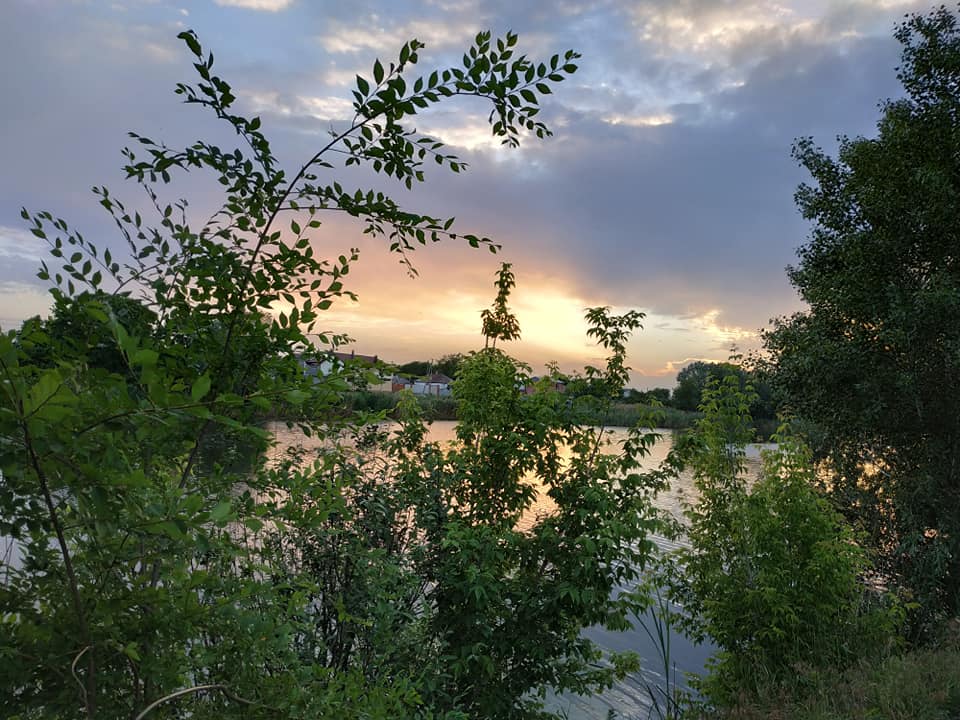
[(434, 408), (922, 684)]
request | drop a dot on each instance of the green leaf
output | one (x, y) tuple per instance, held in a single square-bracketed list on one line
[(201, 387), (145, 357), (253, 524), (378, 72), (295, 397), (191, 40), (221, 511)]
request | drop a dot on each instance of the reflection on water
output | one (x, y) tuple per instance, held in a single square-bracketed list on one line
[(628, 699), (444, 431)]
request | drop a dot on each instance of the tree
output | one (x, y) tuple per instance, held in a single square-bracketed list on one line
[(771, 573), (512, 603), (693, 379), (154, 577), (656, 395), (873, 363), (498, 322), (449, 365), (416, 368)]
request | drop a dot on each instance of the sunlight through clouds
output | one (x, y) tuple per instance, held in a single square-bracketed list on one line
[(640, 120), (264, 5)]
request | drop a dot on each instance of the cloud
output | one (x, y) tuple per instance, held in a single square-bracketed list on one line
[(20, 244), (667, 187), (640, 120), (706, 27), (324, 108), (376, 34), (21, 300), (262, 5)]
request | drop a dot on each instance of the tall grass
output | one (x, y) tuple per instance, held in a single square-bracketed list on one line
[(922, 684), (434, 408)]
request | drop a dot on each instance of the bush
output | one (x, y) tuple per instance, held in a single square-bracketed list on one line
[(772, 574)]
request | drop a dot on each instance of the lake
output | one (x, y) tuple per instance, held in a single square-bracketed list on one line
[(630, 698)]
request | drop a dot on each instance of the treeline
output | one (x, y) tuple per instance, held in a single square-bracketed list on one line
[(676, 409), (445, 408)]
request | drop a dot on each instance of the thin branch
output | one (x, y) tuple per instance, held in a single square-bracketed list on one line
[(73, 671), (200, 688)]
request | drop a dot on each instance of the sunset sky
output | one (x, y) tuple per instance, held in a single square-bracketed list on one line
[(667, 187)]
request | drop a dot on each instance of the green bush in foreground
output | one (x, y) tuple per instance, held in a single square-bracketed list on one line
[(772, 574)]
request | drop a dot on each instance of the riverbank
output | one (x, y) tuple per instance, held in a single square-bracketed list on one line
[(922, 683), (445, 408)]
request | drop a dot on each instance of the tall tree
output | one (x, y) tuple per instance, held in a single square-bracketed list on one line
[(875, 360), (692, 381)]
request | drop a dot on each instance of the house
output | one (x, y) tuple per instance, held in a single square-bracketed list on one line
[(537, 384), (438, 385), (399, 383), (325, 363)]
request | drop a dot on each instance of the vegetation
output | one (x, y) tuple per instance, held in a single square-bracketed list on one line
[(873, 364), (445, 408), (920, 685), (432, 407), (771, 574), (165, 568), (692, 382), (384, 578), (447, 365)]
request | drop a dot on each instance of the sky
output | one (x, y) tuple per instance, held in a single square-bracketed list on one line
[(667, 186)]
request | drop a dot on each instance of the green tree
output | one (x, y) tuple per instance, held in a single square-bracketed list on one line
[(449, 365), (873, 363), (771, 573), (416, 368), (510, 602), (153, 578), (498, 322), (692, 381)]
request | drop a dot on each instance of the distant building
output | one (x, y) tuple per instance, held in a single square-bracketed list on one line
[(538, 384), (399, 383), (438, 385), (326, 363)]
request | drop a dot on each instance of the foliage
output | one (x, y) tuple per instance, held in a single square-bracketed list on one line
[(415, 368), (516, 600), (498, 322), (771, 575), (432, 407), (487, 599), (873, 363), (692, 380), (659, 395), (160, 571), (447, 365), (920, 684)]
